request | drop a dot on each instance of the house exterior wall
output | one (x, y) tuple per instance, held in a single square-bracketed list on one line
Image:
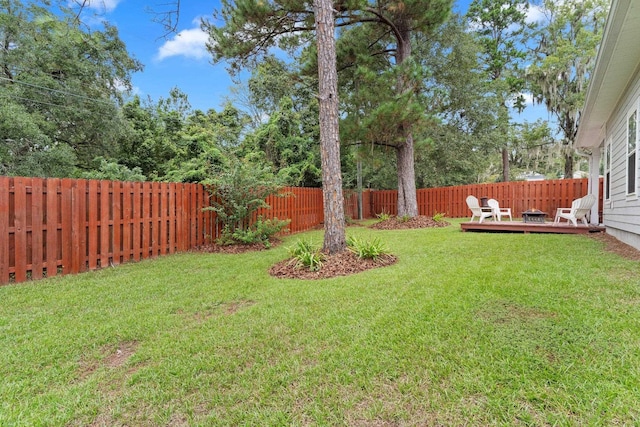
[(621, 211)]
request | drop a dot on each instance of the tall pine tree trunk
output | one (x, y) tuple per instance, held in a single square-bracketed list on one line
[(568, 164), (407, 199), (334, 222), (505, 164)]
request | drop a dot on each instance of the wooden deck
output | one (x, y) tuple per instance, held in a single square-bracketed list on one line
[(529, 227)]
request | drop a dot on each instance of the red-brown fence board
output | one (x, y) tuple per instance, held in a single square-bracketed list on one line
[(106, 222), (52, 218), (116, 222), (93, 230), (79, 212), (66, 204), (20, 229), (135, 222), (171, 217), (4, 230), (37, 218)]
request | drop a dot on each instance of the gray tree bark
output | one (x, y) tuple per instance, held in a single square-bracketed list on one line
[(407, 199), (334, 221), (505, 165)]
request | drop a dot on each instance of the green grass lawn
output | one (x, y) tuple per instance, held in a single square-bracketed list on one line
[(466, 329)]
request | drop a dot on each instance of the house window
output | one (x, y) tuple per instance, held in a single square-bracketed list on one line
[(607, 170), (632, 149)]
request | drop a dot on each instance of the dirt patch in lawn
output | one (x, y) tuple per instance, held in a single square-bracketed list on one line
[(504, 312), (121, 354), (113, 357), (234, 306)]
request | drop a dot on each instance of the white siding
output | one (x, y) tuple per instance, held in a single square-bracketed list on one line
[(622, 212)]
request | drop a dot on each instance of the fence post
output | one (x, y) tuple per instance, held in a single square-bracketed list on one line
[(105, 219), (37, 218), (20, 228), (51, 214), (4, 229)]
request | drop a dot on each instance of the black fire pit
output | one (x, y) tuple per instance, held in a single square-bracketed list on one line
[(534, 216)]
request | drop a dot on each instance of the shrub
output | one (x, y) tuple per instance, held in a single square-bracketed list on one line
[(307, 255), (105, 169), (260, 231), (238, 190), (439, 216), (383, 216), (367, 249)]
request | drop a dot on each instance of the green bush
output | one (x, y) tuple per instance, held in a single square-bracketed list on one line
[(367, 249), (238, 189), (383, 216), (260, 231), (307, 255), (439, 216), (111, 170)]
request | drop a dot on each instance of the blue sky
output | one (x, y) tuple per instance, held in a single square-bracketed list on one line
[(181, 60)]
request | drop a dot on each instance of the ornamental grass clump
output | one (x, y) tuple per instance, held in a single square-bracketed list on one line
[(367, 249), (439, 216), (383, 216), (306, 254)]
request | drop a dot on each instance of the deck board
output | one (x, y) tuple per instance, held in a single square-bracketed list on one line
[(528, 227)]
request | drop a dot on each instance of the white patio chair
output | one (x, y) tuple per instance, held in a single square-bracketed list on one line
[(477, 211), (578, 210), (498, 211)]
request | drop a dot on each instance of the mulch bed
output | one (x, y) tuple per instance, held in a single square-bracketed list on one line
[(237, 249), (421, 221), (348, 263), (611, 244), (342, 264)]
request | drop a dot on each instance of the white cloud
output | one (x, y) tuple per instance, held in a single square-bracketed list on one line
[(102, 5), (535, 14), (526, 96), (127, 89), (109, 5), (189, 43)]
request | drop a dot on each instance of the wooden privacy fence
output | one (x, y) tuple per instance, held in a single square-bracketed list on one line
[(520, 196), (303, 206), (61, 226)]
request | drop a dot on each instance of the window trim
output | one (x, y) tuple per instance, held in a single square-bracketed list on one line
[(607, 169), (628, 155)]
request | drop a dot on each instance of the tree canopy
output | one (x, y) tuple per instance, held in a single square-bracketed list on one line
[(566, 50), (250, 28), (63, 83), (424, 98)]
